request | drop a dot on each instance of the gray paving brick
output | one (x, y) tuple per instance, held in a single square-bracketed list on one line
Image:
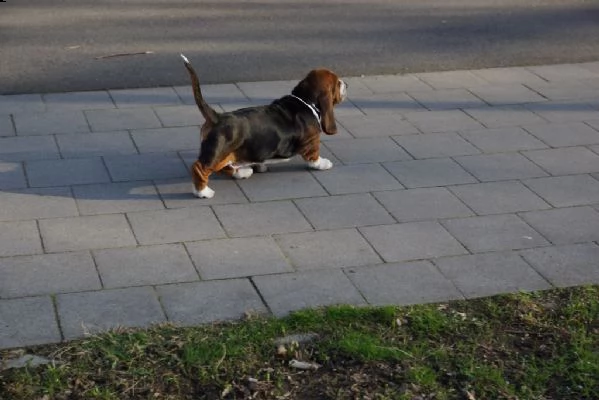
[(436, 145), (179, 116), (116, 120), (506, 76), (19, 238), (569, 265), (12, 176), (307, 289), (120, 197), (222, 92), (566, 225), (88, 313), (327, 249), (146, 166), (422, 204), (442, 121), (45, 173), (78, 101), (566, 90), (497, 167), (167, 139), (47, 274), (170, 226), (367, 150), (432, 172), (261, 218), (28, 148), (379, 125), (94, 145), (566, 160), (412, 241), (235, 258), (498, 95), (51, 122), (564, 110), (21, 103), (447, 99), (494, 233), (405, 283), (502, 139), (89, 232), (566, 134), (6, 126), (281, 185), (176, 193), (565, 191), (563, 72), (594, 124), (504, 116), (344, 211), (357, 87), (27, 322), (145, 97), (452, 79), (204, 302), (347, 108), (357, 179), (30, 204), (394, 83), (385, 103), (499, 197), (148, 265), (268, 90), (489, 274)]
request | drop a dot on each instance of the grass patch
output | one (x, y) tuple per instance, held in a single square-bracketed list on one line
[(542, 345)]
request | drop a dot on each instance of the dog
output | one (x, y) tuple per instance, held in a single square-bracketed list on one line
[(238, 142)]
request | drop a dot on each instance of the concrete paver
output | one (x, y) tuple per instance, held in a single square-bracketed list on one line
[(281, 186), (69, 101), (117, 120), (394, 83), (6, 126), (565, 160), (145, 97), (565, 134), (19, 238), (179, 115), (564, 110), (367, 150), (498, 95), (498, 140), (28, 148), (79, 171), (145, 166), (565, 225), (28, 204), (436, 145), (356, 179), (51, 122), (95, 145), (430, 172), (504, 116), (565, 191), (500, 166), (27, 322), (377, 126), (442, 121), (12, 176), (111, 198), (176, 192), (166, 139), (447, 99)]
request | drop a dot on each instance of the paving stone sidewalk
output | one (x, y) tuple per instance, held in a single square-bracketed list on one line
[(446, 186)]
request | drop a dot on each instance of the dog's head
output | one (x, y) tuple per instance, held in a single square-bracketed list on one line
[(323, 88)]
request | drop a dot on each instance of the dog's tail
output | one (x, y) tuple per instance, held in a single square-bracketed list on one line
[(207, 111)]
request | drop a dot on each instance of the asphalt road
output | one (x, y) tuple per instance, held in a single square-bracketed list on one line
[(61, 45)]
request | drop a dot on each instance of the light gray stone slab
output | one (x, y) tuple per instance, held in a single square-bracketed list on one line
[(344, 211), (431, 172), (394, 83), (569, 265), (180, 116), (442, 121), (80, 171), (177, 193), (501, 166), (367, 150), (422, 204), (217, 93), (357, 179), (145, 97), (281, 186), (89, 232), (566, 225), (88, 313), (494, 233), (95, 145), (27, 322), (412, 241), (327, 249), (121, 119), (19, 238), (492, 273), (386, 103), (594, 124), (499, 197), (570, 90), (47, 274), (146, 166), (507, 76), (356, 86), (30, 204), (563, 72), (205, 302), (497, 95), (447, 99), (436, 145), (267, 90), (564, 110), (452, 79), (403, 283), (564, 134), (78, 101), (235, 258), (167, 139), (379, 125), (21, 103), (170, 226), (347, 108), (504, 116), (51, 122), (499, 140), (28, 148), (565, 160), (110, 198), (565, 191), (12, 176), (261, 218), (148, 265), (291, 292), (6, 126)]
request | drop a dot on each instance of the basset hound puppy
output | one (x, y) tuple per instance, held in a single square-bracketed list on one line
[(238, 142)]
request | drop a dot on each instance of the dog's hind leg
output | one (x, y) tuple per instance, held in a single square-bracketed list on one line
[(200, 174)]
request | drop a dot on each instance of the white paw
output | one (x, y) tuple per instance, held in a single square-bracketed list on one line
[(205, 193), (243, 173), (260, 168), (321, 164)]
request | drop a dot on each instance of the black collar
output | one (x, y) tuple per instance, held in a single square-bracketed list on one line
[(311, 106)]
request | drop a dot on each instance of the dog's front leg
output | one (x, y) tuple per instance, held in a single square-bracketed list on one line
[(310, 151)]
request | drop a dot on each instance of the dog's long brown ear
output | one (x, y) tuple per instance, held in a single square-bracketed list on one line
[(325, 103)]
